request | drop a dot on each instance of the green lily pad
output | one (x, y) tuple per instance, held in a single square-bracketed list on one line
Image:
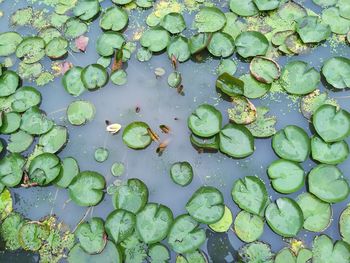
[(9, 230), (54, 140), (104, 61), (19, 142), (155, 39), (256, 252), (285, 255), (117, 169), (210, 143), (344, 225), (254, 89), (250, 194), (86, 189), (197, 256), (91, 236), (304, 255), (324, 251), (328, 184), (44, 168), (86, 9), (185, 235), (291, 143), (11, 169), (209, 19), (297, 78), (311, 29), (159, 253), (108, 42), (94, 76), (29, 71), (264, 69), (293, 44), (181, 173), (49, 33), (101, 154), (205, 121), (121, 2), (285, 217), (114, 18), (72, 82), (206, 205), (236, 141), (56, 48), (230, 85), (31, 49), (344, 8), (233, 26), (143, 54), (6, 207), (35, 122), (32, 234), (80, 112), (317, 214), (136, 135), (131, 196), (263, 126), (251, 44), (329, 153), (338, 24), (9, 81), (174, 79), (221, 45), (244, 8), (134, 249), (173, 22), (266, 5), (336, 71), (286, 176), (9, 42), (179, 49), (69, 170), (224, 224), (248, 227), (243, 111), (228, 66), (291, 11), (11, 121), (25, 98), (325, 3), (331, 124), (119, 225), (144, 3), (74, 28), (153, 223), (198, 42)]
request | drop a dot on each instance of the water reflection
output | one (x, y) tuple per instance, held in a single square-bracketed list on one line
[(220, 249)]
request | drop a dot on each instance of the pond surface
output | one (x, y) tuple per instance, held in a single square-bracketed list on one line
[(160, 104)]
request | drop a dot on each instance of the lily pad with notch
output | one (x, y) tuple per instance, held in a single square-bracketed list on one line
[(251, 44), (72, 82), (210, 143), (181, 173), (179, 48), (174, 79), (56, 48), (267, 5), (329, 153), (224, 224), (87, 9), (114, 18), (311, 29), (338, 24), (198, 42), (94, 76), (101, 154), (155, 39), (74, 28), (11, 169), (228, 66), (32, 235), (9, 82), (35, 122), (119, 225), (244, 8), (9, 230), (80, 112), (25, 98), (11, 122), (221, 45), (324, 251), (159, 253), (69, 170), (54, 140), (119, 77), (44, 169), (256, 252), (31, 49), (19, 142), (108, 42), (344, 225), (173, 22), (264, 69), (248, 227), (197, 256), (230, 85), (209, 19), (136, 135), (291, 11), (285, 255), (9, 42), (336, 71)]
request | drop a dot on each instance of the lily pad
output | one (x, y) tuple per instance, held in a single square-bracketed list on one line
[(196, 256), (344, 8), (11, 121), (236, 141), (9, 230), (254, 89), (230, 85), (336, 71), (228, 66), (49, 33), (338, 24), (224, 224), (131, 196), (311, 29), (80, 112), (251, 44), (325, 3), (108, 42), (35, 122), (86, 9), (153, 223), (174, 79), (72, 82), (9, 42), (256, 252), (264, 69), (185, 235), (91, 236), (136, 135), (209, 19), (74, 28), (159, 253), (243, 111), (266, 5), (344, 225), (329, 153), (117, 169), (155, 39), (291, 143), (286, 176), (324, 251), (114, 18), (6, 207), (250, 194), (205, 121), (54, 140), (25, 98), (31, 49), (32, 234), (285, 217), (11, 169), (181, 173), (19, 142), (285, 255), (291, 11), (143, 54), (243, 8), (331, 124), (198, 42), (69, 170), (263, 126), (119, 225), (44, 168), (56, 48), (179, 49), (210, 143), (206, 205), (87, 188), (101, 154), (221, 45), (94, 76), (248, 227), (9, 81), (173, 22), (317, 214), (328, 184)]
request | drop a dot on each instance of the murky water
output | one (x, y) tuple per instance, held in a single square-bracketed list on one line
[(160, 104)]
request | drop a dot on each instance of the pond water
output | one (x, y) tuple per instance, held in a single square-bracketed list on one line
[(158, 105)]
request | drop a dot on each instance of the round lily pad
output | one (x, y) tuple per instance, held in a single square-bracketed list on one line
[(114, 18), (174, 79), (256, 252), (173, 22), (9, 42), (155, 39), (198, 42), (72, 82), (54, 140), (25, 98), (224, 224), (338, 24), (250, 194), (344, 224), (136, 135), (285, 255), (253, 88), (285, 217), (264, 69), (286, 176), (317, 214), (19, 142), (74, 28), (101, 154), (324, 250), (185, 235), (291, 11), (31, 49), (311, 29), (56, 48), (328, 184), (94, 76), (221, 45), (181, 173), (153, 223), (79, 112), (11, 169), (44, 168), (291, 143), (266, 5), (108, 42), (131, 196), (251, 44), (329, 153), (248, 227), (69, 170), (297, 78), (143, 54), (179, 49), (243, 111), (31, 235), (117, 169), (87, 9), (263, 126), (91, 236), (206, 205), (35, 122), (119, 225), (331, 124), (209, 19), (11, 121), (228, 66), (336, 71), (236, 141), (9, 82), (244, 8), (159, 253), (9, 230), (87, 188)]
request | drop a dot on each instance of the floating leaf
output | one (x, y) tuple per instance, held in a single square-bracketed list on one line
[(338, 24), (101, 154), (69, 170), (11, 169), (256, 252), (244, 8), (79, 112), (329, 153), (19, 142), (324, 250), (9, 42), (248, 227), (25, 98), (209, 19), (72, 82), (35, 122), (9, 230), (312, 30), (179, 49), (114, 18), (54, 140), (94, 76), (251, 44), (31, 49), (252, 88), (181, 173), (108, 42), (5, 204), (74, 28), (44, 168), (155, 39), (263, 126), (344, 225), (173, 22), (336, 71), (136, 135), (86, 9), (230, 85), (9, 82), (221, 45), (264, 69), (224, 224), (243, 111), (56, 48), (120, 225)]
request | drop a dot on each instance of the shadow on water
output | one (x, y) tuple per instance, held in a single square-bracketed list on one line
[(220, 249)]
